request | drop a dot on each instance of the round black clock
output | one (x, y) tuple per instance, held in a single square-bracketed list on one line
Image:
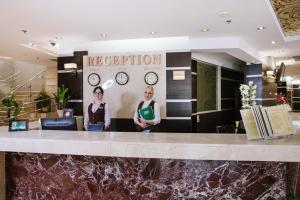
[(122, 78), (151, 78), (94, 79)]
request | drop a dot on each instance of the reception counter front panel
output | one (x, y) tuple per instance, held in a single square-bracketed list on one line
[(119, 165)]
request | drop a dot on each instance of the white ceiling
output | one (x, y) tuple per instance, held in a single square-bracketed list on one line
[(80, 22)]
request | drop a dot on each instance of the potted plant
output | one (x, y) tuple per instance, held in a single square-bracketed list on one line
[(61, 99), (43, 102), (13, 107)]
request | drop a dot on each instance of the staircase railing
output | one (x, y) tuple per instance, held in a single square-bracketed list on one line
[(11, 76)]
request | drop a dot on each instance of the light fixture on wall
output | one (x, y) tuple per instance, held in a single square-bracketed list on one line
[(71, 67)]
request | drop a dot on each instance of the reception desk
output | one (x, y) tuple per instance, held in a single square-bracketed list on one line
[(129, 165)]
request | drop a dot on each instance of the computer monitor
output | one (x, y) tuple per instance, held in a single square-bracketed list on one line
[(64, 123)]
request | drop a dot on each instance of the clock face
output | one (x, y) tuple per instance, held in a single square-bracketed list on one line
[(151, 78), (94, 79), (122, 78)]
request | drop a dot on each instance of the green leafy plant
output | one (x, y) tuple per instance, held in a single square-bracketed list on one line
[(43, 101), (61, 97), (13, 107)]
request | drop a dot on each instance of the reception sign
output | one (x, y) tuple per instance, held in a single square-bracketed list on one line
[(123, 78)]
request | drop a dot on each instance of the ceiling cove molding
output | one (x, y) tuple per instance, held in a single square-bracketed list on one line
[(232, 45)]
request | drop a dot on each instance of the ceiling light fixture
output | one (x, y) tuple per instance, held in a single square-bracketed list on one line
[(152, 33), (205, 30), (53, 44), (260, 28), (273, 42)]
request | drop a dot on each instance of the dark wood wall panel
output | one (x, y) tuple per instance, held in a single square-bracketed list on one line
[(179, 109), (73, 82), (194, 87), (232, 74), (194, 66), (209, 121), (166, 125), (296, 106), (296, 92), (194, 106), (269, 102), (77, 106), (122, 124), (228, 88), (179, 89), (228, 103), (178, 59), (176, 126)]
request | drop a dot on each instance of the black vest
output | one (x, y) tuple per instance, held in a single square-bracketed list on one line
[(98, 116)]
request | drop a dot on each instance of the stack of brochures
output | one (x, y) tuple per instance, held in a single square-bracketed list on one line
[(147, 113), (267, 122)]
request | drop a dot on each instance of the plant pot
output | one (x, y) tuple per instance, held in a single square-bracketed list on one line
[(60, 113), (45, 109)]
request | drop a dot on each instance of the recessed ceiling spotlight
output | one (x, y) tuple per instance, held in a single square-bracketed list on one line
[(152, 33), (273, 42), (53, 44), (58, 38), (261, 28), (205, 30), (103, 35), (24, 31)]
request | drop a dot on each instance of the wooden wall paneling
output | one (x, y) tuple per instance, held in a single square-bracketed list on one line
[(209, 121), (176, 126), (179, 89), (179, 109), (72, 81), (178, 59), (232, 74)]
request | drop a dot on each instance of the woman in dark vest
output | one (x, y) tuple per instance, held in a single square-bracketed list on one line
[(97, 111), (147, 125)]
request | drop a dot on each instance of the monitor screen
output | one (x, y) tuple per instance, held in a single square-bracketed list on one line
[(18, 125), (64, 123)]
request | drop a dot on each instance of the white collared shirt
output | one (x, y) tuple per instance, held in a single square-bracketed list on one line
[(95, 106)]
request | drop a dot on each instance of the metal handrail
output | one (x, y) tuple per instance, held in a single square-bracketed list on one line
[(15, 74), (28, 81)]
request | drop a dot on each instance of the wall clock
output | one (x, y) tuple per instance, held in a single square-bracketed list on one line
[(122, 78), (151, 78), (94, 79)]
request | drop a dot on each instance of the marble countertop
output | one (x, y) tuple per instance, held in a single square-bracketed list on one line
[(152, 145)]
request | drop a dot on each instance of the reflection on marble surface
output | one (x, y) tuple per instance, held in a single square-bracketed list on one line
[(40, 176)]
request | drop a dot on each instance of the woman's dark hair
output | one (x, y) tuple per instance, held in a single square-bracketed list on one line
[(100, 88)]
